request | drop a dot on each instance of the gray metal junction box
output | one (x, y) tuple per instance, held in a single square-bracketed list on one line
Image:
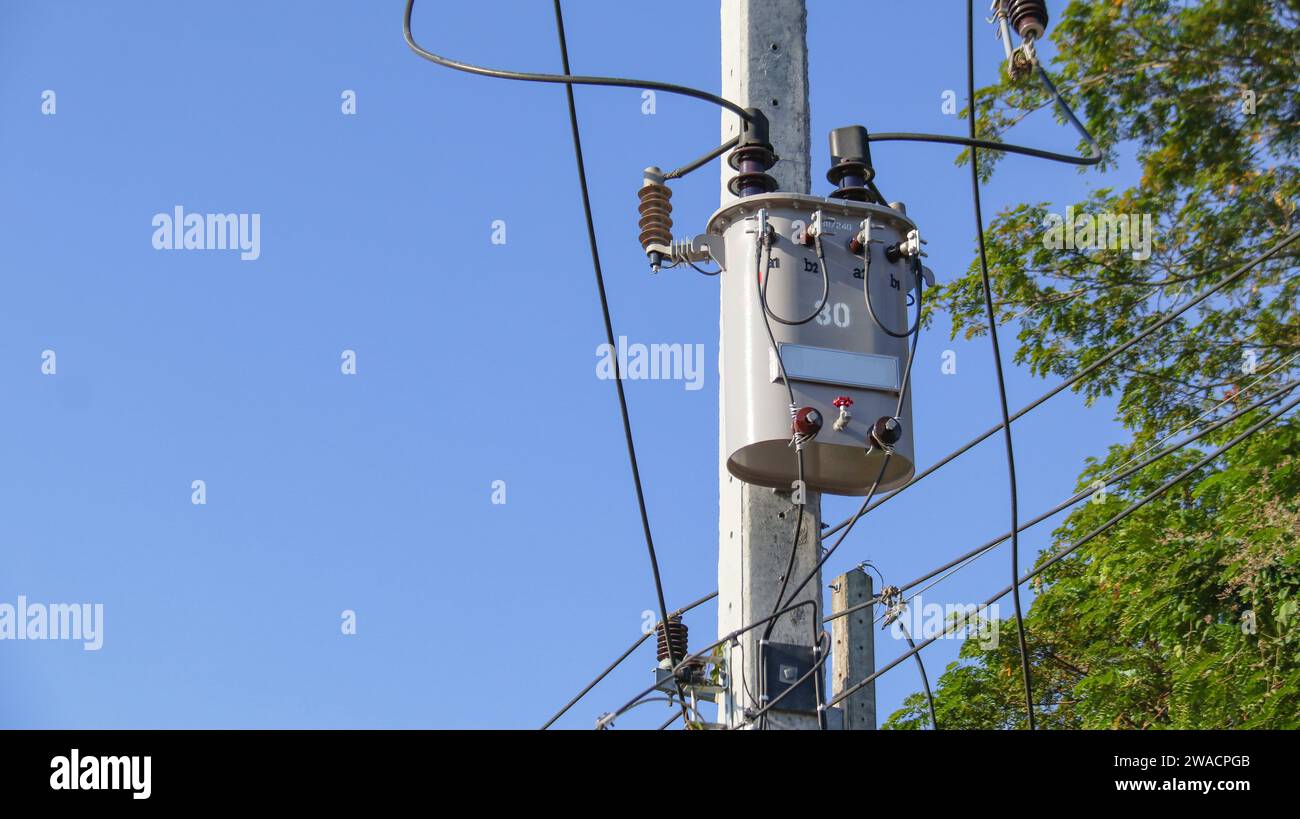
[(841, 353)]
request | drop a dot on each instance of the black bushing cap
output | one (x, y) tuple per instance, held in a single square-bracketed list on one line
[(755, 131), (850, 154), (849, 144), (887, 431)]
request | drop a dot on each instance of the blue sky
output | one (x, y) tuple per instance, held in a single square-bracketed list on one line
[(373, 492)]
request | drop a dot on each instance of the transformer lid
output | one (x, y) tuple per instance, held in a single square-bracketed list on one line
[(728, 214)]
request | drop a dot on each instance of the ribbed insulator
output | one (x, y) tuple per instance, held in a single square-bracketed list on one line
[(656, 215), (752, 162), (1029, 18), (677, 638), (851, 179)]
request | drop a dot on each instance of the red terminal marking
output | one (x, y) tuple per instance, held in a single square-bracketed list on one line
[(843, 401)]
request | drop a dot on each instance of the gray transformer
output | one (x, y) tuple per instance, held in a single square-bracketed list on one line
[(841, 354)]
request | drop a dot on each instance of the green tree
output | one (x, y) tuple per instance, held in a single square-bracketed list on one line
[(1185, 614)]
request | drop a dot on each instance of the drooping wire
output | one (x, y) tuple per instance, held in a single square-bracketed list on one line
[(663, 725), (766, 276), (572, 80), (997, 366), (920, 666), (1064, 552), (907, 635), (974, 144), (566, 79), (762, 274), (701, 270), (871, 310), (609, 334), (1094, 151)]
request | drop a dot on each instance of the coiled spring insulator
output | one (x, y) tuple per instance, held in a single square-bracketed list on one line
[(676, 638), (1029, 18), (656, 214)]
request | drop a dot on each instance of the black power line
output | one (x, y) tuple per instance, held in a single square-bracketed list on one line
[(973, 143), (1065, 552), (704, 160), (1094, 152), (1115, 477), (1114, 353), (602, 675), (920, 663), (1236, 274), (997, 364), (569, 80), (868, 503), (609, 335), (566, 78), (925, 680), (763, 273), (726, 638)]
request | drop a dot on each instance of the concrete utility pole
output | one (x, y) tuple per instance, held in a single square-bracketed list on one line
[(853, 648), (765, 66)]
